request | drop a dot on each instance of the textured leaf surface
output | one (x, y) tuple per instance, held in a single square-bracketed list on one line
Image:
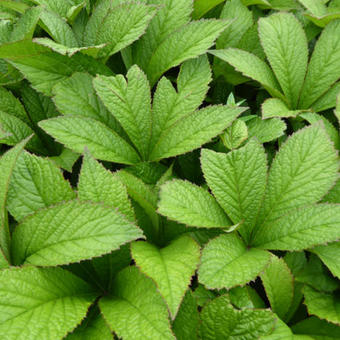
[(278, 283), (43, 303), (302, 172), (97, 184), (266, 130), (171, 267), (221, 321), (274, 107), (70, 232), (129, 102), (251, 66), (187, 203), (188, 42), (235, 134), (323, 305), (193, 130), (226, 262), (135, 310), (330, 255), (117, 26), (324, 66), (78, 132), (285, 45), (327, 100), (76, 96), (36, 183), (238, 181), (7, 164), (301, 228)]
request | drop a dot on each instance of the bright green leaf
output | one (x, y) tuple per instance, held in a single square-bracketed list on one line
[(274, 107), (329, 255)]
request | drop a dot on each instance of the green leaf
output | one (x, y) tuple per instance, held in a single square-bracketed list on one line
[(251, 66), (323, 305), (187, 320), (188, 42), (19, 7), (317, 329), (76, 96), (135, 309), (36, 298), (45, 68), (238, 181), (3, 261), (171, 267), (130, 103), (278, 283), (285, 45), (266, 130), (274, 107), (328, 100), (93, 327), (201, 7), (97, 184), (62, 8), (7, 164), (66, 159), (235, 134), (36, 183), (329, 255), (333, 195), (70, 232), (221, 321), (77, 132), (324, 67), (302, 172), (193, 130), (301, 229), (245, 297), (117, 25), (190, 204), (227, 262), (170, 105), (337, 108)]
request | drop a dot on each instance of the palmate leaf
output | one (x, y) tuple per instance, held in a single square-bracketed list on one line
[(285, 45), (303, 171), (70, 232), (220, 320), (135, 310), (190, 204), (170, 267), (227, 262), (77, 132), (238, 181), (301, 228), (324, 67), (7, 164), (193, 130), (43, 303), (130, 103), (36, 183)]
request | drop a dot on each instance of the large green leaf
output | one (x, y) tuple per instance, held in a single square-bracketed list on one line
[(238, 181), (76, 96), (278, 283), (36, 183), (134, 309), (193, 130), (227, 262), (201, 7), (301, 228), (324, 67), (323, 305), (70, 232), (7, 164), (285, 45), (302, 172), (190, 204), (97, 184), (220, 320), (77, 132), (117, 25), (129, 101), (44, 303), (171, 267)]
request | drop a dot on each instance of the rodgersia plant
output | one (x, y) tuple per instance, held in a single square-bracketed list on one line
[(169, 169)]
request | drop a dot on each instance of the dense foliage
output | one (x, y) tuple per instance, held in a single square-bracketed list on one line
[(169, 169)]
